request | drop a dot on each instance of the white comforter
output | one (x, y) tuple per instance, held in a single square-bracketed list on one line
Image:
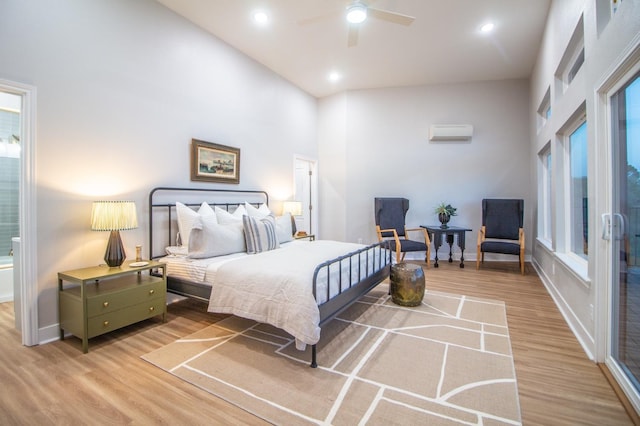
[(276, 287)]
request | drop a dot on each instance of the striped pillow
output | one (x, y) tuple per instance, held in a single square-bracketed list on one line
[(260, 234)]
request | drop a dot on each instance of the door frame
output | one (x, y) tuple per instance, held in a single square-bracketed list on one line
[(314, 188), (27, 211), (627, 65)]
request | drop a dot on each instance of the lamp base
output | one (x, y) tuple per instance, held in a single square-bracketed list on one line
[(114, 256)]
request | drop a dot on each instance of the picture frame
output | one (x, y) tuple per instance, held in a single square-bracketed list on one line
[(212, 162)]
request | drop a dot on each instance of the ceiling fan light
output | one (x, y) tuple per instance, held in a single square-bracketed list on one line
[(356, 13)]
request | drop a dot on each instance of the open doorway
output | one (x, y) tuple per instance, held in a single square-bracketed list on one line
[(20, 142), (10, 135), (305, 186)]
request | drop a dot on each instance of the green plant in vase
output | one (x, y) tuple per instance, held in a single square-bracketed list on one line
[(444, 212)]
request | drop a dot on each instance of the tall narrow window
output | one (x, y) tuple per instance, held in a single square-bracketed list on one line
[(546, 228), (579, 206), (9, 173), (545, 195)]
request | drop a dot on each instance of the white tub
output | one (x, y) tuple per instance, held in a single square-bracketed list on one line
[(6, 284)]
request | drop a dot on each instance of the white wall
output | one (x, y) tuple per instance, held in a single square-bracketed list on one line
[(332, 167), (606, 38), (379, 147), (123, 86)]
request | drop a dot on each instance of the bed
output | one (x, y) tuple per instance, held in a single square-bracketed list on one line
[(293, 284)]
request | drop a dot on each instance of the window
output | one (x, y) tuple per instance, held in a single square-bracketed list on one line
[(544, 205), (544, 110), (578, 201), (572, 59), (577, 64)]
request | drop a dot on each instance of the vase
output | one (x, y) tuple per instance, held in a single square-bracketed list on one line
[(444, 219)]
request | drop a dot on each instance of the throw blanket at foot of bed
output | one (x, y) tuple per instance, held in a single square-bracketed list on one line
[(276, 287)]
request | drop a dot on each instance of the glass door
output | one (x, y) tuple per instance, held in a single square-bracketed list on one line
[(624, 350)]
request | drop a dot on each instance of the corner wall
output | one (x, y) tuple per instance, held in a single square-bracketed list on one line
[(380, 147)]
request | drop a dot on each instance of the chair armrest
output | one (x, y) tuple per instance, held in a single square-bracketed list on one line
[(395, 236), (481, 236), (427, 240), (381, 231)]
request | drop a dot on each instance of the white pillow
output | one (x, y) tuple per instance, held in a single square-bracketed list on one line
[(260, 234), (186, 217), (259, 212), (177, 250), (283, 228), (210, 239), (225, 217)]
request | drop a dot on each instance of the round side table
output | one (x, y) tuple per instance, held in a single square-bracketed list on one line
[(407, 284)]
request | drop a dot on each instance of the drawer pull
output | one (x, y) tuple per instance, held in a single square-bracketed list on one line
[(105, 304), (106, 323), (151, 309), (152, 291)]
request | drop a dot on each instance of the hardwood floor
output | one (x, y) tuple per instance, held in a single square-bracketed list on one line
[(57, 384)]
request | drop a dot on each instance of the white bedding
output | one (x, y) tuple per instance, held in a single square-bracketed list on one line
[(275, 287)]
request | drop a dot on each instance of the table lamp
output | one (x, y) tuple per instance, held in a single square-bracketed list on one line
[(114, 216)]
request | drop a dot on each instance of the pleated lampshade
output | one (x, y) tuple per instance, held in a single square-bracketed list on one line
[(114, 216)]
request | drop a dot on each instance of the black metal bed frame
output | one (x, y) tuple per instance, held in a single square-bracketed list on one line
[(376, 256)]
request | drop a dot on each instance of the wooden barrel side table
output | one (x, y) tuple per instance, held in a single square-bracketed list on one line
[(407, 284)]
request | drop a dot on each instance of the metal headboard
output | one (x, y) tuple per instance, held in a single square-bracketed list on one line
[(162, 205)]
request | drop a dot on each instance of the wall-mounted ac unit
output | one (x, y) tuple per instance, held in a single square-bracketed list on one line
[(450, 132)]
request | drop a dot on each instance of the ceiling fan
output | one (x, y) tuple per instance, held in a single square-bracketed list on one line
[(356, 12)]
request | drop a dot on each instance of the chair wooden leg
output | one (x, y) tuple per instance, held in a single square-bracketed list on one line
[(478, 259)]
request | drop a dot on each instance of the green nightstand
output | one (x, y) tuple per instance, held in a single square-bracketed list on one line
[(101, 299)]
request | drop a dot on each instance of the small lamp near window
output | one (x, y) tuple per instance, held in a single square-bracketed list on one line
[(114, 216), (295, 209)]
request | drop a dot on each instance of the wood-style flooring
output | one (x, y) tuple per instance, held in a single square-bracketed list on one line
[(56, 383)]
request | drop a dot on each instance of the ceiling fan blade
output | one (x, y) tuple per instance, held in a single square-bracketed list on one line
[(353, 36), (319, 18), (396, 18)]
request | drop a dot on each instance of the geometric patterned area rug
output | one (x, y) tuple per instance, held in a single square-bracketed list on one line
[(445, 362)]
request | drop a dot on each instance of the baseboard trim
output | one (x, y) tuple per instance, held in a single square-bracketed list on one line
[(633, 414)]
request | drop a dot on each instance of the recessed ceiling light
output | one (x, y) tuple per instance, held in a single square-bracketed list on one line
[(487, 28), (261, 17), (356, 13), (334, 76)]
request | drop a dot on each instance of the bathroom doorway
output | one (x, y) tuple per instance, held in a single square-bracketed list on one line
[(10, 135), (18, 152)]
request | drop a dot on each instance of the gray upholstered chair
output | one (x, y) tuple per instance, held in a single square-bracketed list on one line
[(390, 216), (502, 229)]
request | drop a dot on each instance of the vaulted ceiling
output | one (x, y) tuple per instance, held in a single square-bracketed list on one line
[(305, 41)]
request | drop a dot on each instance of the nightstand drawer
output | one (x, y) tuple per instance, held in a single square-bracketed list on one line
[(111, 321), (113, 301), (100, 299)]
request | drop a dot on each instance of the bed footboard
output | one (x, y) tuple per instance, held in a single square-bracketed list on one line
[(348, 278)]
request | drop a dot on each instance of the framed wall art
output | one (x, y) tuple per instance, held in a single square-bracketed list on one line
[(211, 162)]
